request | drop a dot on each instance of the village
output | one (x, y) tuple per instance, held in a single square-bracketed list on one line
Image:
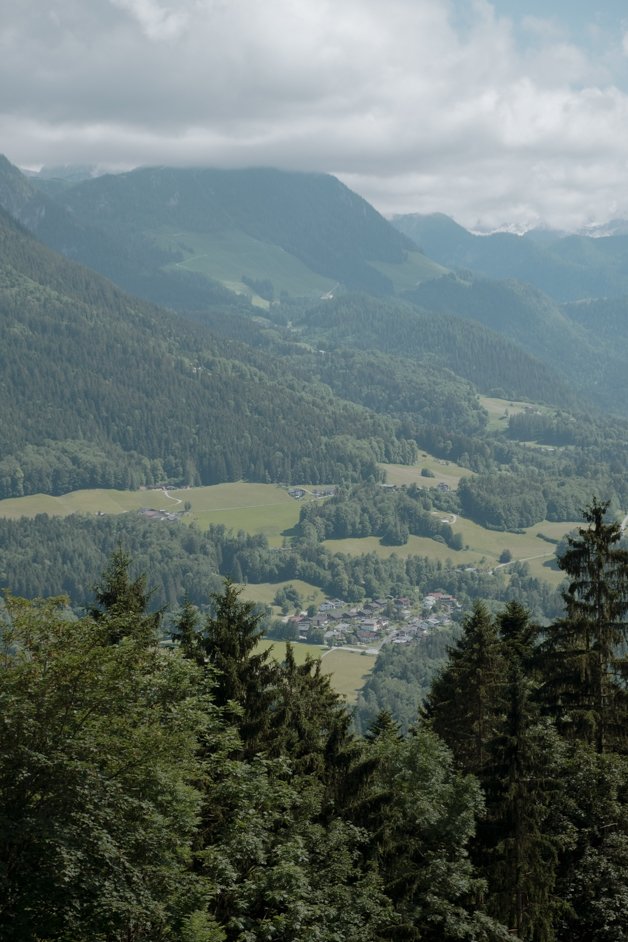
[(395, 620)]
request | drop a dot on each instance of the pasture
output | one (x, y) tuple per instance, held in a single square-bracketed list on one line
[(445, 472), (227, 255), (268, 509), (499, 411), (349, 671), (278, 650), (482, 547), (264, 592), (256, 508)]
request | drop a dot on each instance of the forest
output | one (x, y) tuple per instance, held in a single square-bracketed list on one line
[(196, 791), (45, 556)]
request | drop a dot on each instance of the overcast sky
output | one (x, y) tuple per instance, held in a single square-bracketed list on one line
[(502, 112)]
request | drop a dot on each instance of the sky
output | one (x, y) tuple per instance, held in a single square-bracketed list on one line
[(496, 112)]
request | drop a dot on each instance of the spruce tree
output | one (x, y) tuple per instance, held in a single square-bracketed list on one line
[(466, 702), (520, 849), (245, 678), (122, 602), (583, 660)]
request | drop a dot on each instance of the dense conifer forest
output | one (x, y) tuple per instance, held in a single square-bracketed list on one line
[(198, 791)]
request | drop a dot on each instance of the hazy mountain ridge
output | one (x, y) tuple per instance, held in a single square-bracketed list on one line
[(567, 267), (314, 390), (313, 217)]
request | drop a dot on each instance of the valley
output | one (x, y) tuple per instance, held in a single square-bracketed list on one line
[(259, 446), (270, 358)]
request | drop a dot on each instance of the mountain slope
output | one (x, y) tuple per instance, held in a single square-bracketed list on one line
[(314, 224), (101, 389), (591, 362), (493, 363)]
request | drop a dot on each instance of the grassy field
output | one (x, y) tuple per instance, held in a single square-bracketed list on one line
[(301, 651), (269, 509), (445, 472), (482, 547), (227, 255), (264, 592), (83, 502), (349, 671), (256, 508), (500, 409), (412, 271)]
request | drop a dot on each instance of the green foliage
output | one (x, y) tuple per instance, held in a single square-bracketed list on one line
[(105, 390), (372, 510), (585, 660), (467, 348), (502, 501), (263, 203), (401, 680), (466, 699), (97, 765), (51, 555), (203, 794), (424, 831)]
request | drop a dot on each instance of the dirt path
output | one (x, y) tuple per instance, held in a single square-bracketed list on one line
[(177, 500), (524, 559)]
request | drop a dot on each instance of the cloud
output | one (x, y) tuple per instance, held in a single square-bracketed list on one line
[(156, 22), (417, 106)]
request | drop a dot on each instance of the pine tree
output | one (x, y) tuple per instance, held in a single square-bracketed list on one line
[(121, 602), (586, 671), (466, 702), (520, 852), (187, 632), (245, 679)]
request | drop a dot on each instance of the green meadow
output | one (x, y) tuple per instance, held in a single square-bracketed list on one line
[(264, 592), (227, 255), (445, 472), (482, 547), (268, 509), (414, 269), (256, 508), (349, 671), (301, 651), (499, 411)]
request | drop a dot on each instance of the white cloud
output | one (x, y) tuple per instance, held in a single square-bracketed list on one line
[(407, 106)]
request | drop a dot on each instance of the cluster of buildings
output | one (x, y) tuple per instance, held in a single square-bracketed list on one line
[(391, 620)]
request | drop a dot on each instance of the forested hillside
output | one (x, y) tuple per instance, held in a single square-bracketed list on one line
[(579, 350), (168, 220), (101, 389)]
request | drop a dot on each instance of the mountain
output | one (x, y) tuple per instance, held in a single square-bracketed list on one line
[(281, 232), (493, 363), (132, 264), (568, 268), (102, 389), (574, 348)]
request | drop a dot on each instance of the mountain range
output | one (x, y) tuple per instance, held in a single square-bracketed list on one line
[(567, 267), (279, 329)]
